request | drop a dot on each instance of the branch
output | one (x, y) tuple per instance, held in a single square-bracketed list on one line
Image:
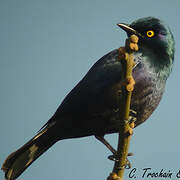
[(126, 128)]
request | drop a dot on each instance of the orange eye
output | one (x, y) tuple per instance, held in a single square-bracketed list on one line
[(150, 33)]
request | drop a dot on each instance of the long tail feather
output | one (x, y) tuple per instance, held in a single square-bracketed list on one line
[(19, 160)]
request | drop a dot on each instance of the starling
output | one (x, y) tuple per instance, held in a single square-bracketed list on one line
[(94, 105)]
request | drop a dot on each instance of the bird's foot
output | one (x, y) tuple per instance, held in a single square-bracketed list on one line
[(115, 158), (132, 118), (133, 113)]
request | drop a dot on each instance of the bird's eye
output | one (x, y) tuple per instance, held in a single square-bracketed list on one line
[(150, 33)]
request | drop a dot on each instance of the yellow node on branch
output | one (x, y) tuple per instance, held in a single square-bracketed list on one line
[(132, 125), (113, 176), (130, 84), (133, 38), (130, 131), (133, 46)]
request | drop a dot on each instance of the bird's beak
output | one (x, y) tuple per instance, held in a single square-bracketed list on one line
[(128, 29)]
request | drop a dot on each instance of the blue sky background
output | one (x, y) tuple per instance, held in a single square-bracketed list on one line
[(46, 47)]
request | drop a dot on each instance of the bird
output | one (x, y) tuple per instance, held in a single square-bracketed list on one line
[(93, 106)]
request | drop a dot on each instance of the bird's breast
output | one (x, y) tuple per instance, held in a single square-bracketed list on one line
[(147, 93), (146, 96)]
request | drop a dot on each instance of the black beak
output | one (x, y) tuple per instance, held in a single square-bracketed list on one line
[(128, 29)]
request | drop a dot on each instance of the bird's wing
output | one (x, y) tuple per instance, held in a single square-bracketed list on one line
[(105, 72), (88, 93)]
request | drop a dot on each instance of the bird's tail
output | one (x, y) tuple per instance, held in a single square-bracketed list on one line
[(19, 160)]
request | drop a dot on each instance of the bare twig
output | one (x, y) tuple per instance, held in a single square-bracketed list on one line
[(126, 129)]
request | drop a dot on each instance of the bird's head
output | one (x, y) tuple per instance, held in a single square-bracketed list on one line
[(155, 38)]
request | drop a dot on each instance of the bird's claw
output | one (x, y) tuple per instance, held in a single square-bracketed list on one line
[(116, 159), (128, 164), (132, 113), (113, 158), (132, 118)]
